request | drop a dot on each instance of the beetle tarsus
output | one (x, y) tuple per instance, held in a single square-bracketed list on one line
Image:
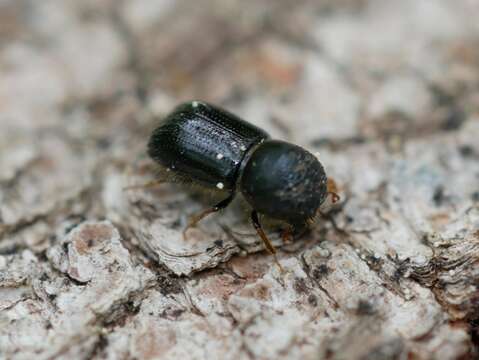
[(195, 219), (287, 235), (267, 243)]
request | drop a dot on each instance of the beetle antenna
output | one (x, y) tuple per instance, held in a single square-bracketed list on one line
[(332, 190)]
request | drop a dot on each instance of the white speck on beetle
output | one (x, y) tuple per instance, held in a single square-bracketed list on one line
[(220, 185), (243, 148), (219, 156), (195, 104)]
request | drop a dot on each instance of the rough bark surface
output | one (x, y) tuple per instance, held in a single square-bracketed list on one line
[(387, 93)]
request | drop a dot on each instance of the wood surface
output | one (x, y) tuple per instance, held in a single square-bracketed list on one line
[(385, 92)]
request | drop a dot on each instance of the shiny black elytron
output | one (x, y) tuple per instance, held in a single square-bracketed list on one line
[(213, 147)]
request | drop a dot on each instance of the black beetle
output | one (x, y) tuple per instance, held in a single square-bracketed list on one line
[(213, 147)]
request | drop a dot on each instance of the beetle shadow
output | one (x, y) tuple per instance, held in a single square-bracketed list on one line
[(175, 199)]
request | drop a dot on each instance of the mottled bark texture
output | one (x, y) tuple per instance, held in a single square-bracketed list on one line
[(387, 93)]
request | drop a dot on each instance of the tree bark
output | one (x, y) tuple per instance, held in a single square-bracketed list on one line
[(386, 93)]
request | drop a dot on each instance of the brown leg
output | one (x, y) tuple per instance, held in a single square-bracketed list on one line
[(267, 243), (287, 235), (147, 185), (333, 190), (195, 219)]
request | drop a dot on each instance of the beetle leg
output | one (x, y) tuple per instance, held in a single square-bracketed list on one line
[(267, 243), (287, 235), (195, 219), (147, 185), (332, 189)]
